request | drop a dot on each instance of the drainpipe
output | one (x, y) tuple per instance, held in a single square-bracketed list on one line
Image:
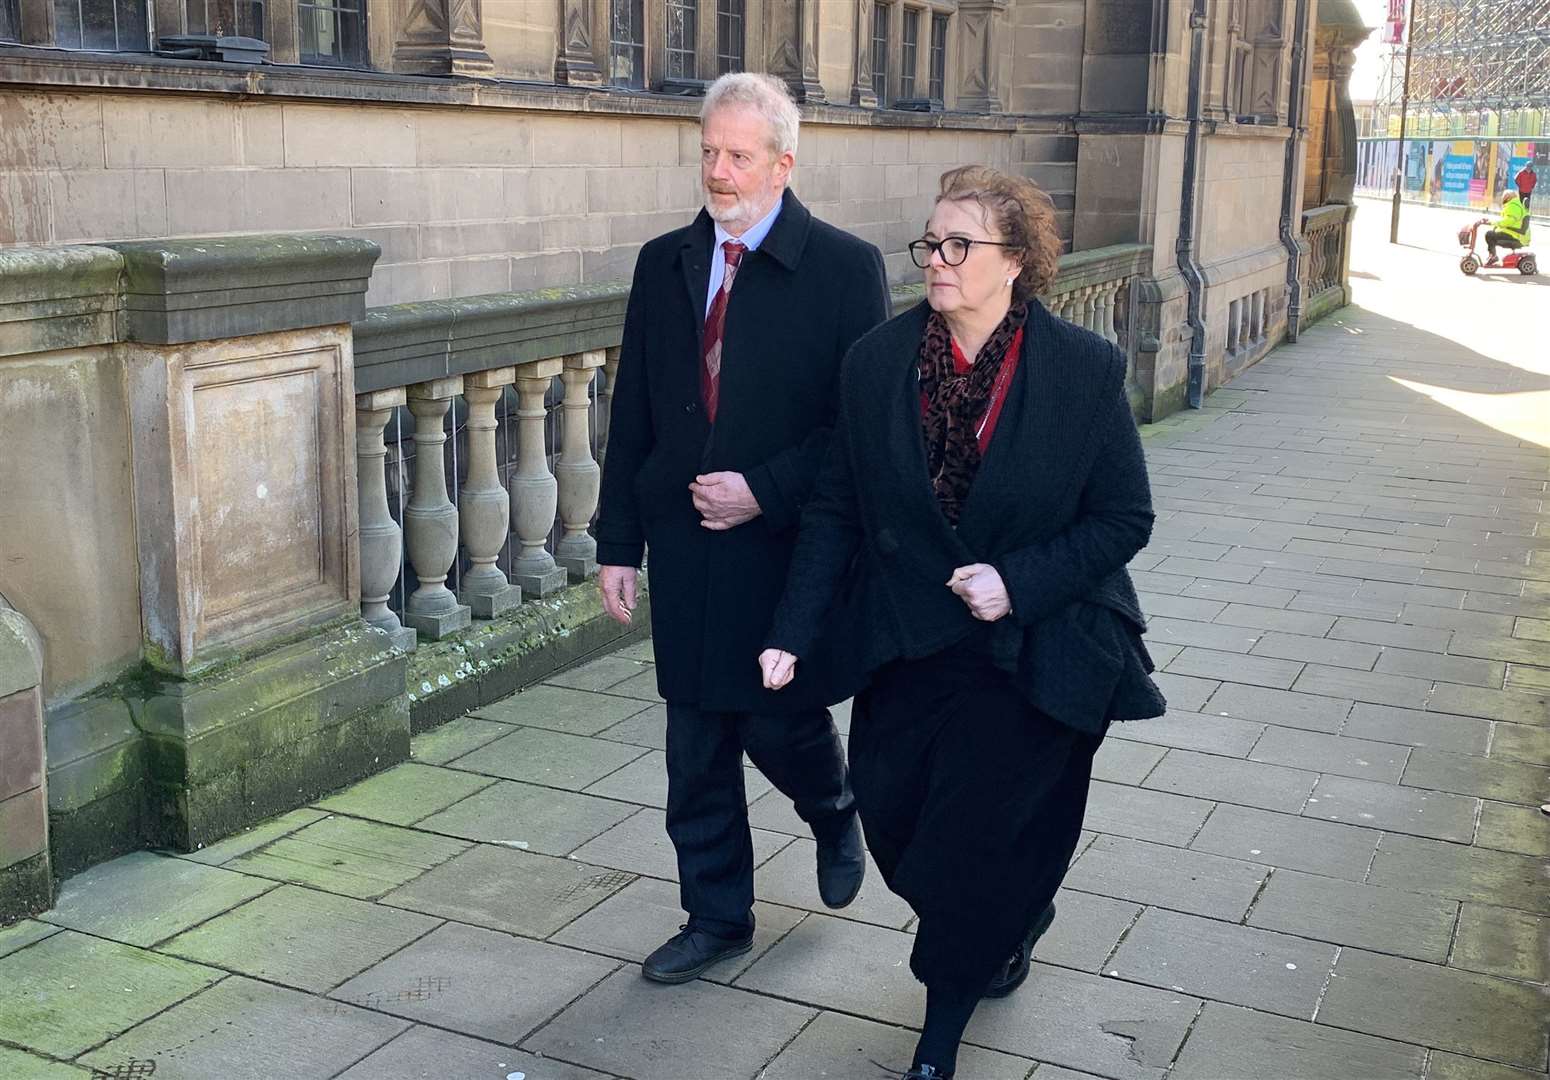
[(1194, 280), (1291, 228)]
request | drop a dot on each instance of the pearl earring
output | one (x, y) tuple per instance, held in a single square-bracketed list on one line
[(1009, 282)]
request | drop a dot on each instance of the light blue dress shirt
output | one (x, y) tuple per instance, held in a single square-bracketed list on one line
[(750, 239)]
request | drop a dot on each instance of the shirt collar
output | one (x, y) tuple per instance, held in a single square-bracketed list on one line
[(755, 235)]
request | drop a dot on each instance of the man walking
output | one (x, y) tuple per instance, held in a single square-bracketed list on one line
[(721, 417)]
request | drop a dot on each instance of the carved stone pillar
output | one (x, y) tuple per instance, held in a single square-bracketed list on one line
[(381, 540), (578, 475), (792, 46), (534, 490), (484, 508), (861, 91), (575, 63), (442, 37), (605, 402), (430, 519), (982, 31)]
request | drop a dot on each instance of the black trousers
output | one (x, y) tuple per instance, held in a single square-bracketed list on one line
[(1494, 238), (972, 802), (707, 806)]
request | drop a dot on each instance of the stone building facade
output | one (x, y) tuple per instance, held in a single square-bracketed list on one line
[(431, 209)]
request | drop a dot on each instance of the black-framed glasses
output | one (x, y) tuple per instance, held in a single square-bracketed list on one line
[(953, 249)]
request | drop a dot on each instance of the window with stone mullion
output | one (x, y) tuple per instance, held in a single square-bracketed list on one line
[(730, 24), (682, 33), (10, 21), (909, 51), (938, 84), (332, 33), (880, 16), (102, 25), (627, 43), (237, 18)]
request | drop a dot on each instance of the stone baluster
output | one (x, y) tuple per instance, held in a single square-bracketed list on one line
[(578, 475), (430, 519), (381, 540), (1106, 325), (605, 401), (484, 508), (534, 490), (1089, 308)]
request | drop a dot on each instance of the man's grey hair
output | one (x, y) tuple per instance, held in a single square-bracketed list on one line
[(764, 94)]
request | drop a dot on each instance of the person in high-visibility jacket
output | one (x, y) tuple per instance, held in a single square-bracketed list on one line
[(1511, 231)]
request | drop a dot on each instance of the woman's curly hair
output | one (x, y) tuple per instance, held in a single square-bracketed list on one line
[(1021, 213)]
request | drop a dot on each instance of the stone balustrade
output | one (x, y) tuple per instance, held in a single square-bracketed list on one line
[(1326, 230), (482, 426)]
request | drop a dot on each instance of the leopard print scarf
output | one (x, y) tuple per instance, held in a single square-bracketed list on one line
[(953, 405)]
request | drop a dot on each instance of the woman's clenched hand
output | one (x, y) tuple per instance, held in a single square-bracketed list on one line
[(778, 667), (979, 585)]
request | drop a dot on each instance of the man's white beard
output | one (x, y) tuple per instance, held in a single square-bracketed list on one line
[(741, 213)]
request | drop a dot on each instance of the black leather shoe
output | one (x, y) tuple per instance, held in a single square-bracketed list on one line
[(841, 866), (927, 1072), (1015, 972), (689, 952)]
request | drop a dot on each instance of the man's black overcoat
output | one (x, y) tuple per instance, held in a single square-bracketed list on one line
[(799, 301)]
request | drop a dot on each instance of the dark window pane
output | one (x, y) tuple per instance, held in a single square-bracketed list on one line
[(938, 56), (134, 31), (880, 15), (729, 36), (67, 23), (10, 21), (907, 52), (627, 43), (101, 25), (682, 30), (333, 32)]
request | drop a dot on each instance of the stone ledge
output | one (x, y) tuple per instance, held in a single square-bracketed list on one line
[(205, 289), (58, 298)]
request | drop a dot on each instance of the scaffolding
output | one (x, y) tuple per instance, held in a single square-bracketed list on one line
[(1479, 68)]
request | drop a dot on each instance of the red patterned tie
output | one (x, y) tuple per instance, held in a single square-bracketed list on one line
[(710, 370)]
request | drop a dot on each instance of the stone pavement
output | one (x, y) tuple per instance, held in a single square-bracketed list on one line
[(1325, 863)]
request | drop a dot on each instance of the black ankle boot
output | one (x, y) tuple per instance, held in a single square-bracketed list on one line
[(1013, 974), (927, 1072)]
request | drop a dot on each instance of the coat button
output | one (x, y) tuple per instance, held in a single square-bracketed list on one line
[(691, 408), (887, 543)]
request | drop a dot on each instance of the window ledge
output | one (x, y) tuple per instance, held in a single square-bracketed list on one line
[(40, 67)]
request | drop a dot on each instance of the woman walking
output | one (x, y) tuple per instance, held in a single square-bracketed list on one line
[(962, 563)]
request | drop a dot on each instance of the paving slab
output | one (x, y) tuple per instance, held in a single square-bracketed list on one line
[(529, 817), (1501, 941), (1343, 912), (247, 1030), (516, 891), (599, 674), (1231, 1042), (1222, 779), (1503, 781), (1280, 708), (1141, 814), (1123, 761), (1222, 735), (1088, 1023), (300, 937), (1085, 931), (1512, 706), (1461, 873), (559, 708), (1279, 619), (1235, 668), (1509, 827), (551, 758), (1174, 878), (1436, 1006), (20, 935), (424, 1053), (21, 1065), (647, 728), (838, 1047), (1338, 754), (1184, 692), (455, 738), (644, 914), (639, 1029), (1416, 811), (1412, 727), (478, 982), (1446, 1066), (640, 845), (69, 992), (142, 898), (790, 878), (363, 859), (644, 782), (1295, 843), (845, 965), (224, 851), (405, 794), (642, 686)]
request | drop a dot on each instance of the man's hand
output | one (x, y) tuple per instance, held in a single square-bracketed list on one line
[(723, 500), (617, 584), (980, 586), (778, 666)]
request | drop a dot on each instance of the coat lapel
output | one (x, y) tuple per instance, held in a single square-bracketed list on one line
[(694, 261)]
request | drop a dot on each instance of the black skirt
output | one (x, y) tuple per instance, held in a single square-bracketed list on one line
[(972, 802)]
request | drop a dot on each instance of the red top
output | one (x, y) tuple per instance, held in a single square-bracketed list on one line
[(1009, 362)]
